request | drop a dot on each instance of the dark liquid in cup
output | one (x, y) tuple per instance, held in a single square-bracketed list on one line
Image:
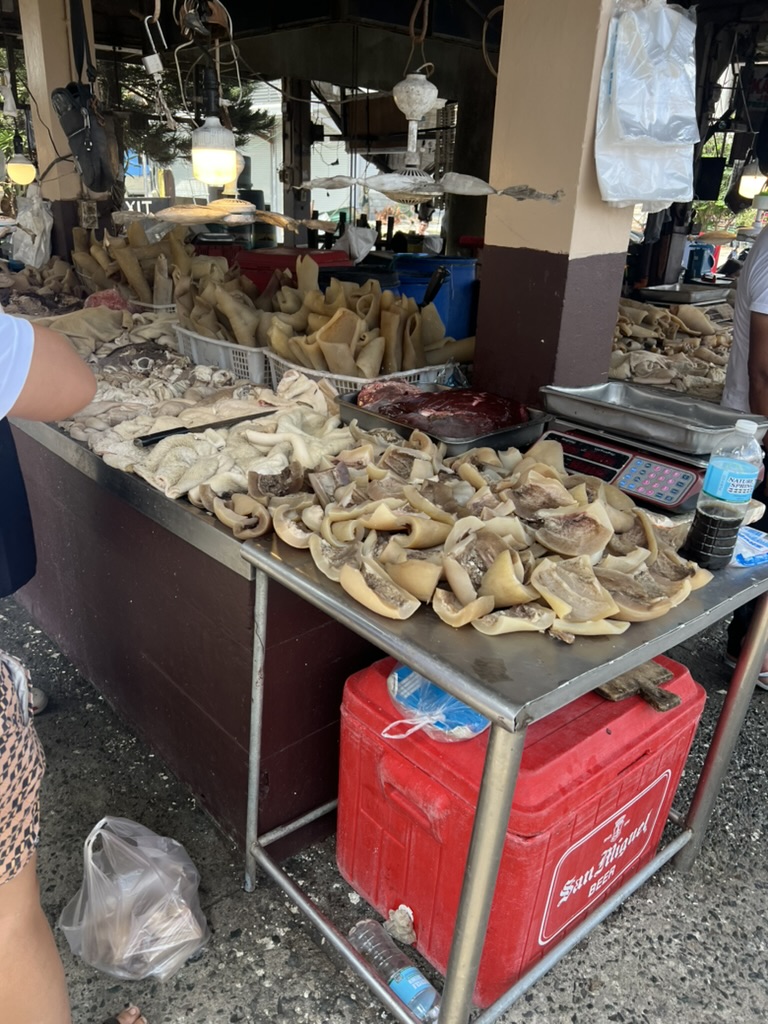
[(711, 540)]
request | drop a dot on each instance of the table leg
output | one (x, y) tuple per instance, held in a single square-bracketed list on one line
[(502, 764), (726, 735), (261, 584)]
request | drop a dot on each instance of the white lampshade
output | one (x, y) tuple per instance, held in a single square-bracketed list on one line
[(214, 157), (752, 180), (21, 170), (415, 96)]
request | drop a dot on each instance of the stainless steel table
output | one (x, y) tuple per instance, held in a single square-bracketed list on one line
[(513, 680)]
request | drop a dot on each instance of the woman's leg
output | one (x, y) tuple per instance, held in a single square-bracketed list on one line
[(33, 989), (32, 985)]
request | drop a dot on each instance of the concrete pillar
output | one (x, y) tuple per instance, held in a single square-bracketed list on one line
[(551, 272), (49, 61), (48, 56), (297, 153)]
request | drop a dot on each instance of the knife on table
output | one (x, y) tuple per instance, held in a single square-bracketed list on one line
[(159, 435)]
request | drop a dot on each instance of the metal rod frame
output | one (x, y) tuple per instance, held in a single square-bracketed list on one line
[(500, 773)]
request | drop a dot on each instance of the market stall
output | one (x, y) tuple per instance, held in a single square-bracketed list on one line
[(514, 684), (285, 473), (152, 602)]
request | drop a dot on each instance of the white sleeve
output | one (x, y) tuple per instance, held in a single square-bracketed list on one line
[(17, 339), (759, 282)]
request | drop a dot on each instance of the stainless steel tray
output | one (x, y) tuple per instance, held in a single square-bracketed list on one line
[(676, 294), (669, 419), (519, 436)]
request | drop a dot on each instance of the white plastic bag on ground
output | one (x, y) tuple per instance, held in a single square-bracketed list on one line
[(34, 225), (646, 118), (137, 913)]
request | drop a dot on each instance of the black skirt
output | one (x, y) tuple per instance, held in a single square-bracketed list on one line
[(18, 560)]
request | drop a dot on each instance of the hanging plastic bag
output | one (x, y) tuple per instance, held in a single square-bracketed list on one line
[(356, 243), (137, 913), (426, 706), (646, 118), (34, 224)]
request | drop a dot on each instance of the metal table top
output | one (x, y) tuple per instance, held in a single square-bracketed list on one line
[(521, 677), (178, 517)]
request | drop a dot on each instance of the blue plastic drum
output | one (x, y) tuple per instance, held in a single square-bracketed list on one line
[(456, 301)]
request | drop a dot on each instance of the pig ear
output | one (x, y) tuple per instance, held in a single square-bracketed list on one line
[(372, 587), (242, 317)]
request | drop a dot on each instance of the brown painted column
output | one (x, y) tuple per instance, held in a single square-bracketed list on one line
[(551, 272), (50, 65)]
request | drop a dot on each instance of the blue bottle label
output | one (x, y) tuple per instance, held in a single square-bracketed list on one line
[(408, 984), (730, 480)]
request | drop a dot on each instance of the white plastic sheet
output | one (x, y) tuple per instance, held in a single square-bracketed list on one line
[(34, 225), (646, 119)]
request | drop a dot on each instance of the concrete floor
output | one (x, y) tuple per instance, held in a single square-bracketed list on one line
[(689, 949)]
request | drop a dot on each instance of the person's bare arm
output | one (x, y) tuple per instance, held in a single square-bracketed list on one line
[(58, 384), (758, 364)]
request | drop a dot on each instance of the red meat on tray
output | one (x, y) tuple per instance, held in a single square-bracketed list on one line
[(454, 413)]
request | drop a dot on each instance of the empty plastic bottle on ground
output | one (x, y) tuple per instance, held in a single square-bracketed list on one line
[(728, 484), (396, 968)]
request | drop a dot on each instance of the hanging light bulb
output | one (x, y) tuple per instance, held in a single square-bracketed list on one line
[(214, 157), (20, 168), (752, 179)]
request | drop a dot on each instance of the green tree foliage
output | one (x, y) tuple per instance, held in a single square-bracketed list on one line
[(128, 89)]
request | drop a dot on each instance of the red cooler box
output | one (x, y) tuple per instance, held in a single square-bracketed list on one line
[(596, 784), (260, 264)]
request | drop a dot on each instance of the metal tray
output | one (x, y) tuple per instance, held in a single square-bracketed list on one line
[(519, 436), (685, 294), (669, 419)]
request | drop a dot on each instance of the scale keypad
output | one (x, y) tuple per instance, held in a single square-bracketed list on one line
[(656, 481)]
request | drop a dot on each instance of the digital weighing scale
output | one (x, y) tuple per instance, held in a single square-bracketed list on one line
[(652, 444), (649, 475)]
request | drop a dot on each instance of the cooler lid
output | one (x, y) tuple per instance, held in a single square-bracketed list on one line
[(584, 744)]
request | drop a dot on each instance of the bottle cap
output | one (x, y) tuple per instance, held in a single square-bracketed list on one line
[(746, 426)]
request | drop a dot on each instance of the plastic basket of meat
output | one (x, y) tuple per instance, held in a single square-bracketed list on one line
[(344, 385), (247, 363)]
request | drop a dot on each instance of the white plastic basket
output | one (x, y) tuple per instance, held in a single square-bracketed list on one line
[(247, 363), (346, 385)]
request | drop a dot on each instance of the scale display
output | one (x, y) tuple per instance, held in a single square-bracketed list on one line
[(643, 477)]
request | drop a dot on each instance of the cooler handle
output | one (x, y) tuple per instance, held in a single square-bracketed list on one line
[(415, 794)]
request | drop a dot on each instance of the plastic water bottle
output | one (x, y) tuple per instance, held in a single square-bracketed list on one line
[(728, 484), (396, 968)]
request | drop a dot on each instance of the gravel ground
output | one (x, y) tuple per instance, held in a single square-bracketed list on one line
[(686, 948)]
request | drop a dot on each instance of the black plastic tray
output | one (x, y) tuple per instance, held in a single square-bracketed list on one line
[(519, 436)]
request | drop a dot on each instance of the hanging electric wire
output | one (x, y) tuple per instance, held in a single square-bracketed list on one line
[(484, 39), (417, 38)]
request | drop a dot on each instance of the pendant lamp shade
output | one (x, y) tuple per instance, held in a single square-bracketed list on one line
[(214, 157), (415, 96), (20, 168), (752, 180)]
